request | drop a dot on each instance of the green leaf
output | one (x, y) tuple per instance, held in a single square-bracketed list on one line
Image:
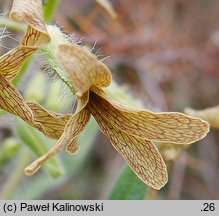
[(128, 187), (39, 146)]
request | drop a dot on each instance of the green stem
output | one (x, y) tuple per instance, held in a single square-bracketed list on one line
[(48, 53)]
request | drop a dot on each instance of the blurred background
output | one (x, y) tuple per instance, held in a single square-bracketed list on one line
[(165, 54)]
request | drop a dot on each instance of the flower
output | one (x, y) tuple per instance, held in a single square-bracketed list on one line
[(131, 132), (11, 100)]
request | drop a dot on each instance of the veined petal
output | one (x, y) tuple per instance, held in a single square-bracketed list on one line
[(35, 37), (83, 68), (29, 11), (142, 155), (72, 129), (162, 127), (50, 123), (211, 115), (11, 62), (12, 102), (53, 123), (82, 101), (73, 147)]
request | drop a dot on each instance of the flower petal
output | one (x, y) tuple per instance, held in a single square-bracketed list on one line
[(83, 68), (50, 123), (35, 37), (11, 62), (73, 147), (72, 129), (53, 123), (12, 102), (161, 127), (29, 11), (211, 115), (142, 155), (82, 101)]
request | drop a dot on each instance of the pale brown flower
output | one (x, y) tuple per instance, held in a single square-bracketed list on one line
[(11, 100), (130, 131)]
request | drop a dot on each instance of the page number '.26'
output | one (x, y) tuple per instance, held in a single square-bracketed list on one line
[(208, 207)]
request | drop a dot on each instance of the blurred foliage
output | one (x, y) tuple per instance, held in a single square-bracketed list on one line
[(50, 8), (42, 182), (9, 148), (167, 53), (128, 187)]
